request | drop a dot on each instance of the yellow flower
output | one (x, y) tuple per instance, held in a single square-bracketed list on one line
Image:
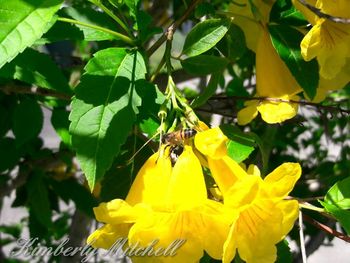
[(273, 78), (264, 217), (329, 42), (274, 81), (166, 203)]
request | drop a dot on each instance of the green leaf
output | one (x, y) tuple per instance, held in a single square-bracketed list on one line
[(284, 255), (240, 145), (23, 22), (208, 91), (233, 45), (284, 12), (145, 26), (70, 189), (286, 41), (36, 68), (339, 194), (343, 216), (9, 154), (105, 108), (204, 64), (27, 120), (38, 198), (60, 122), (238, 152), (62, 31), (204, 36), (90, 16)]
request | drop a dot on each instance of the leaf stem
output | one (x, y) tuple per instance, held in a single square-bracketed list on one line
[(114, 17), (311, 207), (120, 36)]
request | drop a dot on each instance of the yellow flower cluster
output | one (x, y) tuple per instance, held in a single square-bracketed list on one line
[(327, 40), (168, 203)]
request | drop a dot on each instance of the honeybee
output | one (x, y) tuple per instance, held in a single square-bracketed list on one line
[(177, 137), (175, 140)]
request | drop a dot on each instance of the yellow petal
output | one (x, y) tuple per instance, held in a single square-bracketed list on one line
[(211, 143), (230, 246), (253, 170), (335, 8), (166, 228), (309, 15), (187, 185), (290, 210), (277, 112), (273, 78), (247, 114), (107, 235), (281, 181), (225, 172), (149, 184), (118, 211), (243, 192)]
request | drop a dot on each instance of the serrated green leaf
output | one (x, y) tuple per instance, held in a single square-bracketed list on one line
[(208, 91), (105, 108), (38, 198), (286, 40), (36, 68), (9, 154), (339, 194), (60, 122), (343, 216), (204, 36), (27, 120), (23, 22), (204, 64), (93, 17)]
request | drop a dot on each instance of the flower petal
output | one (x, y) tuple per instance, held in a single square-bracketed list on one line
[(247, 114), (150, 183), (107, 235), (273, 78), (187, 186), (277, 112), (166, 228), (118, 211), (225, 172), (280, 182), (211, 143)]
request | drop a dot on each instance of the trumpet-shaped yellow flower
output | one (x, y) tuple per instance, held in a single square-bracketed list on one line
[(166, 203), (274, 81), (273, 78), (327, 40), (264, 217)]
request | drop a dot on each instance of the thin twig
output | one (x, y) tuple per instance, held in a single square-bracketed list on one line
[(174, 26), (326, 229), (305, 103), (319, 13), (8, 89), (302, 239)]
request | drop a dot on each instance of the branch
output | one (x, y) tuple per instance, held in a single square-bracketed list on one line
[(326, 228), (305, 103), (319, 13), (174, 26), (8, 89)]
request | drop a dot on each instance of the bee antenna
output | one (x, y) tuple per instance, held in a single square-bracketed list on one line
[(143, 146)]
